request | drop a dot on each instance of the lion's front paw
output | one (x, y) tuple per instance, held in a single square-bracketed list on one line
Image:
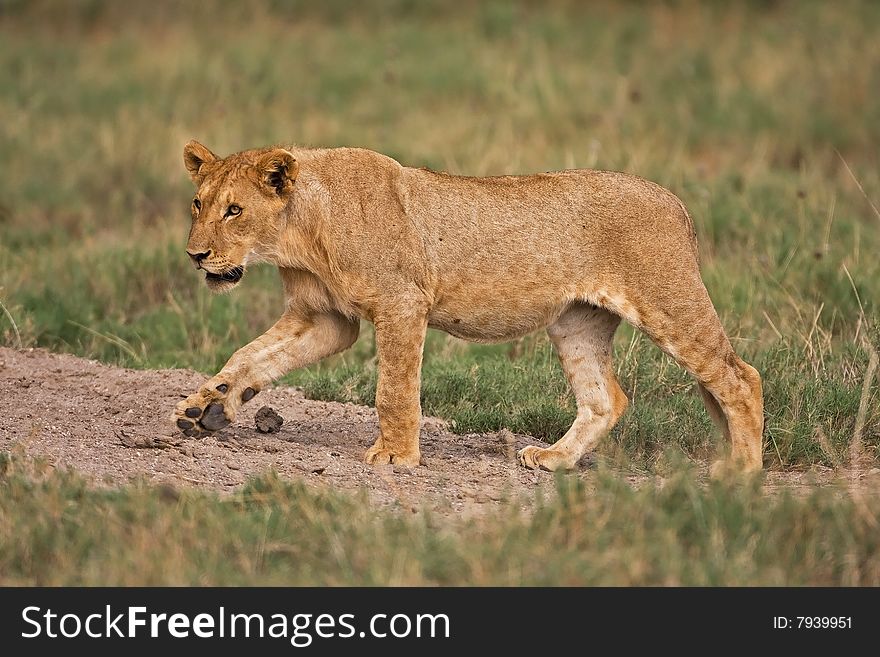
[(545, 458), (205, 412), (378, 454)]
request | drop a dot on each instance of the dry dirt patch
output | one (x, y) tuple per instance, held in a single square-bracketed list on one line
[(111, 424)]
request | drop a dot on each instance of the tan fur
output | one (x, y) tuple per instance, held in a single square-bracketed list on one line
[(358, 236)]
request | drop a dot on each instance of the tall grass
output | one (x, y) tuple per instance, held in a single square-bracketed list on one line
[(56, 530), (763, 118)]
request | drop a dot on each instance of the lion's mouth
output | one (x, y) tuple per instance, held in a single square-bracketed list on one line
[(229, 276)]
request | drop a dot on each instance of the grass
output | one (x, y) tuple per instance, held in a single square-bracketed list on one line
[(763, 118), (57, 530)]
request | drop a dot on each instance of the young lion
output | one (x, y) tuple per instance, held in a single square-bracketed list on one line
[(356, 236)]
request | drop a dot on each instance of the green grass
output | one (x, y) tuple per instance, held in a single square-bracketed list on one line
[(56, 530), (747, 111)]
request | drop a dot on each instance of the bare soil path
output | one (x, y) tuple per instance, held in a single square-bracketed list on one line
[(111, 424)]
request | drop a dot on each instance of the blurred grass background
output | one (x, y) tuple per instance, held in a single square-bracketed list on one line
[(763, 117)]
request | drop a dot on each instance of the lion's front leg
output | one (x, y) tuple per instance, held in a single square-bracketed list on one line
[(400, 340), (294, 341)]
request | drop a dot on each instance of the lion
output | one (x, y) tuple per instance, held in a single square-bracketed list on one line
[(358, 236)]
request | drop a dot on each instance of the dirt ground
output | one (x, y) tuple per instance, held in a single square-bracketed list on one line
[(111, 424)]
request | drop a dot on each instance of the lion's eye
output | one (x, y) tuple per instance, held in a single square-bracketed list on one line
[(233, 211), (197, 204)]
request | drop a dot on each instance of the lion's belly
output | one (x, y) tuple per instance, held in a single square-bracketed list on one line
[(494, 319)]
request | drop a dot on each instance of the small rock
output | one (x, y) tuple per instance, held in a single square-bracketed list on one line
[(268, 420), (401, 469), (165, 442), (126, 440), (233, 466), (146, 442)]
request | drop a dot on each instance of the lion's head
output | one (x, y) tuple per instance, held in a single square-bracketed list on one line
[(237, 209)]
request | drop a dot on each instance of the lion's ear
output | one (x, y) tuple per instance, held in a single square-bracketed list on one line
[(195, 155), (278, 170)]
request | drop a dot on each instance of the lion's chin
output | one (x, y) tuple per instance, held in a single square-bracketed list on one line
[(225, 281)]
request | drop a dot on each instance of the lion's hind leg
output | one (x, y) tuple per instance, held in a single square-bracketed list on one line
[(583, 339), (715, 411), (688, 329)]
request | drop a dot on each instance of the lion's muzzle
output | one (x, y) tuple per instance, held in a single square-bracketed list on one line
[(229, 276)]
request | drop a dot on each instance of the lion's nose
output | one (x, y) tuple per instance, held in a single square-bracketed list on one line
[(198, 257)]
